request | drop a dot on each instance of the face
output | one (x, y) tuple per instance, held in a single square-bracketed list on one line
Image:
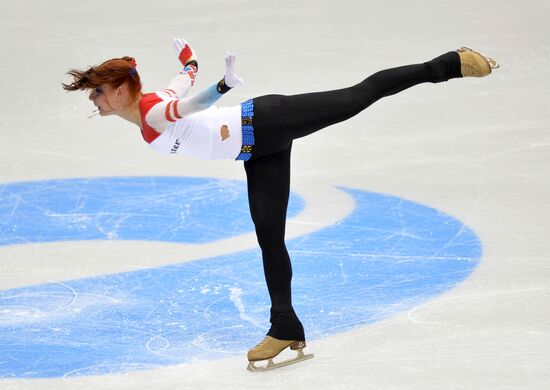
[(107, 99)]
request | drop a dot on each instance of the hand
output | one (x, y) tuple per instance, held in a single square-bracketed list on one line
[(231, 78), (184, 52)]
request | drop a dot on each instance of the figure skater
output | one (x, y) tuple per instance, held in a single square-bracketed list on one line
[(260, 132)]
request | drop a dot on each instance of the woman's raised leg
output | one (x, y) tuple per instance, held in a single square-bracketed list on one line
[(279, 119)]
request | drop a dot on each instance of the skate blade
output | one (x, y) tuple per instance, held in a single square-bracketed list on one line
[(271, 365), (492, 63)]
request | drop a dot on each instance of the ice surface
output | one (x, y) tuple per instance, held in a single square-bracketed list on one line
[(477, 150)]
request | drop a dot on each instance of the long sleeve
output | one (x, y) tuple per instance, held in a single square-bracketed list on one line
[(182, 83), (199, 102), (164, 112)]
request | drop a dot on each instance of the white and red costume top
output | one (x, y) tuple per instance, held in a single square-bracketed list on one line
[(173, 124)]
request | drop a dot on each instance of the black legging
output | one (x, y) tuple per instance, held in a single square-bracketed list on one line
[(278, 120)]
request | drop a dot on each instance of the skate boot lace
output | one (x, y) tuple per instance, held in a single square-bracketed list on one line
[(261, 343)]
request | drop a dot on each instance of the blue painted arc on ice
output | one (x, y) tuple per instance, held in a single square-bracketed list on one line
[(172, 209), (387, 256)]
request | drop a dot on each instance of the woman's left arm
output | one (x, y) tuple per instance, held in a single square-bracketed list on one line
[(208, 97)]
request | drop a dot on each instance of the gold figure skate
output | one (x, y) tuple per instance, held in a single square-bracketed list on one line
[(475, 64), (269, 348)]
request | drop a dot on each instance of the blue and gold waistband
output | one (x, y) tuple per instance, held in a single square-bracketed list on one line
[(247, 125)]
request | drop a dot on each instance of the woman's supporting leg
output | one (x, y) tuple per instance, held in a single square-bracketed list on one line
[(280, 119), (268, 181)]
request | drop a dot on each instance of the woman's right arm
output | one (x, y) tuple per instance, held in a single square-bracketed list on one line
[(183, 82)]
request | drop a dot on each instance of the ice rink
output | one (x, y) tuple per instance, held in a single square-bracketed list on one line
[(418, 229)]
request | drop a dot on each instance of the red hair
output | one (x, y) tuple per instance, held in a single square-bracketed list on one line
[(114, 72)]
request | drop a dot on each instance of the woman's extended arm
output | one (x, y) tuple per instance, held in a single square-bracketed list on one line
[(209, 96), (167, 111), (183, 82)]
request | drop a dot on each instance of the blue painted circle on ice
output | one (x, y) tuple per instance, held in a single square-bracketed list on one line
[(174, 209), (387, 256)]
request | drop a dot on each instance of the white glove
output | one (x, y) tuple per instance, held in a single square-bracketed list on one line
[(231, 78), (183, 51)]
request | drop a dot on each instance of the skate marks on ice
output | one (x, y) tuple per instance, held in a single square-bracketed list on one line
[(387, 256)]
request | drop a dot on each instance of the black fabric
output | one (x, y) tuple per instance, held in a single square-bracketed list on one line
[(268, 180), (222, 87), (278, 120)]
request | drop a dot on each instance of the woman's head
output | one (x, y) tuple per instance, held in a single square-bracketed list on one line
[(114, 84)]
